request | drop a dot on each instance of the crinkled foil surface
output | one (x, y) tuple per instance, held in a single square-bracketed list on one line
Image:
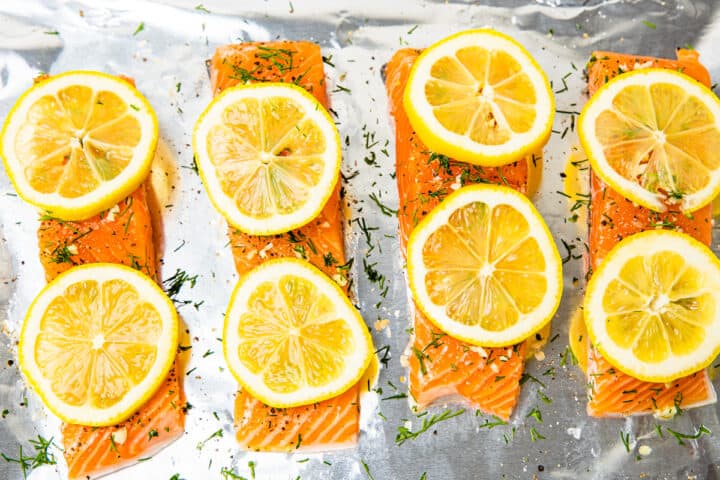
[(164, 45)]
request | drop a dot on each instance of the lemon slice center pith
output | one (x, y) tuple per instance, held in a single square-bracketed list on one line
[(269, 155), (76, 139), (660, 137), (291, 335), (93, 345), (658, 307), (484, 267)]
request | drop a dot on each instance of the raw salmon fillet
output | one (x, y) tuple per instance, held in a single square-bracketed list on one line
[(442, 367), (333, 423), (122, 235), (612, 218)]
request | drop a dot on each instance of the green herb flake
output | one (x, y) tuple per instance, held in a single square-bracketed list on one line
[(216, 434), (496, 422), (229, 474), (702, 430), (384, 209), (625, 439), (535, 435), (404, 434), (42, 456), (536, 414), (174, 284), (367, 470)]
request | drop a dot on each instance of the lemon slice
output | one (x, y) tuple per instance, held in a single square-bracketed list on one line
[(97, 342), (578, 338), (269, 156), (478, 96), (292, 337), (483, 267), (653, 136), (79, 142), (652, 307)]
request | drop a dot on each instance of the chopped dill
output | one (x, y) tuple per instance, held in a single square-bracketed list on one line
[(384, 209), (535, 435), (367, 470), (216, 434), (42, 456), (625, 438), (175, 283), (404, 434)]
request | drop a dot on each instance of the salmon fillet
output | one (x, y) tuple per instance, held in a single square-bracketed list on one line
[(333, 423), (612, 218), (121, 235), (92, 451), (442, 367)]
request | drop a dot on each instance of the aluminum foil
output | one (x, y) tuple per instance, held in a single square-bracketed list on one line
[(164, 45)]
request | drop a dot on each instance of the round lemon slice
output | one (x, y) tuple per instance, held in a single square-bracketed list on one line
[(483, 267), (79, 142), (269, 156), (478, 96), (652, 308), (653, 136), (97, 342), (292, 337)]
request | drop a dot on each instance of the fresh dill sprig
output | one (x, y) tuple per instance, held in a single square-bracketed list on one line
[(404, 434), (216, 434), (679, 436), (42, 456), (384, 209), (174, 284), (229, 474)]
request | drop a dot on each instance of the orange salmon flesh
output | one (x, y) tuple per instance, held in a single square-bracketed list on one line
[(612, 218), (442, 367), (332, 423)]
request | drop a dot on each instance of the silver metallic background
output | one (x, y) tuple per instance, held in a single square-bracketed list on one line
[(361, 36)]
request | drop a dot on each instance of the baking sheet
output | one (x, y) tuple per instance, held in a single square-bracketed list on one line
[(163, 44)]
